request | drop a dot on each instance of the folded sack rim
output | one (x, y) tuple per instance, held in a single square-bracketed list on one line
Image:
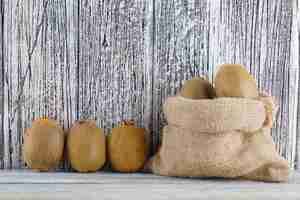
[(242, 114)]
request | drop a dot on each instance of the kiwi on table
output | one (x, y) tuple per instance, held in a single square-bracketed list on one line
[(233, 80), (43, 145), (86, 146), (197, 88), (127, 148)]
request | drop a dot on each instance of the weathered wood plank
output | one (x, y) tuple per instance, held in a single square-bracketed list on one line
[(149, 50), (112, 72), (39, 52), (101, 177), (297, 62), (2, 82), (147, 192), (194, 37), (28, 185), (294, 84)]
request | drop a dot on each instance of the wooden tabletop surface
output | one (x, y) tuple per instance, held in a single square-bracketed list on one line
[(29, 185)]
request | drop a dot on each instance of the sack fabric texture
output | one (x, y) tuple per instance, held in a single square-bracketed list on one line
[(222, 137)]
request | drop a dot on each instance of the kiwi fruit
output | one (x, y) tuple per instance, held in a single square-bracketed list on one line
[(233, 80), (43, 145), (86, 146), (127, 148), (197, 88)]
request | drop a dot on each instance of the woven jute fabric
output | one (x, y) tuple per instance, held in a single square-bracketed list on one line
[(224, 137)]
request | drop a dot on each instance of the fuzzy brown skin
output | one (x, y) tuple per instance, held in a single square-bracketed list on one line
[(86, 147), (127, 148), (233, 80), (197, 88), (43, 145)]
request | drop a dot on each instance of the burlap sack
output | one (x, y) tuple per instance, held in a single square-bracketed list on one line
[(225, 137)]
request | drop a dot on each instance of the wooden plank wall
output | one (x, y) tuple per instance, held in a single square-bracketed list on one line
[(295, 63), (40, 59), (114, 60)]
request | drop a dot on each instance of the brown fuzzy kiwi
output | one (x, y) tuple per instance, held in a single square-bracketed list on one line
[(86, 146), (233, 80), (43, 145), (127, 148), (197, 88)]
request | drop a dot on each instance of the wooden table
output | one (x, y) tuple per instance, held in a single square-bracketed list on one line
[(30, 185)]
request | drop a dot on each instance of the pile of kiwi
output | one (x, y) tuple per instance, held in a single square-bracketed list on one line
[(126, 148), (86, 146), (232, 80)]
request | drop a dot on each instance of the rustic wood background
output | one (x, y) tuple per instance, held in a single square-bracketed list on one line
[(111, 60)]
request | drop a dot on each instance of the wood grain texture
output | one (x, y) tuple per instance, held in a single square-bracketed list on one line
[(115, 60), (111, 74), (39, 51), (28, 185), (296, 60), (2, 83)]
